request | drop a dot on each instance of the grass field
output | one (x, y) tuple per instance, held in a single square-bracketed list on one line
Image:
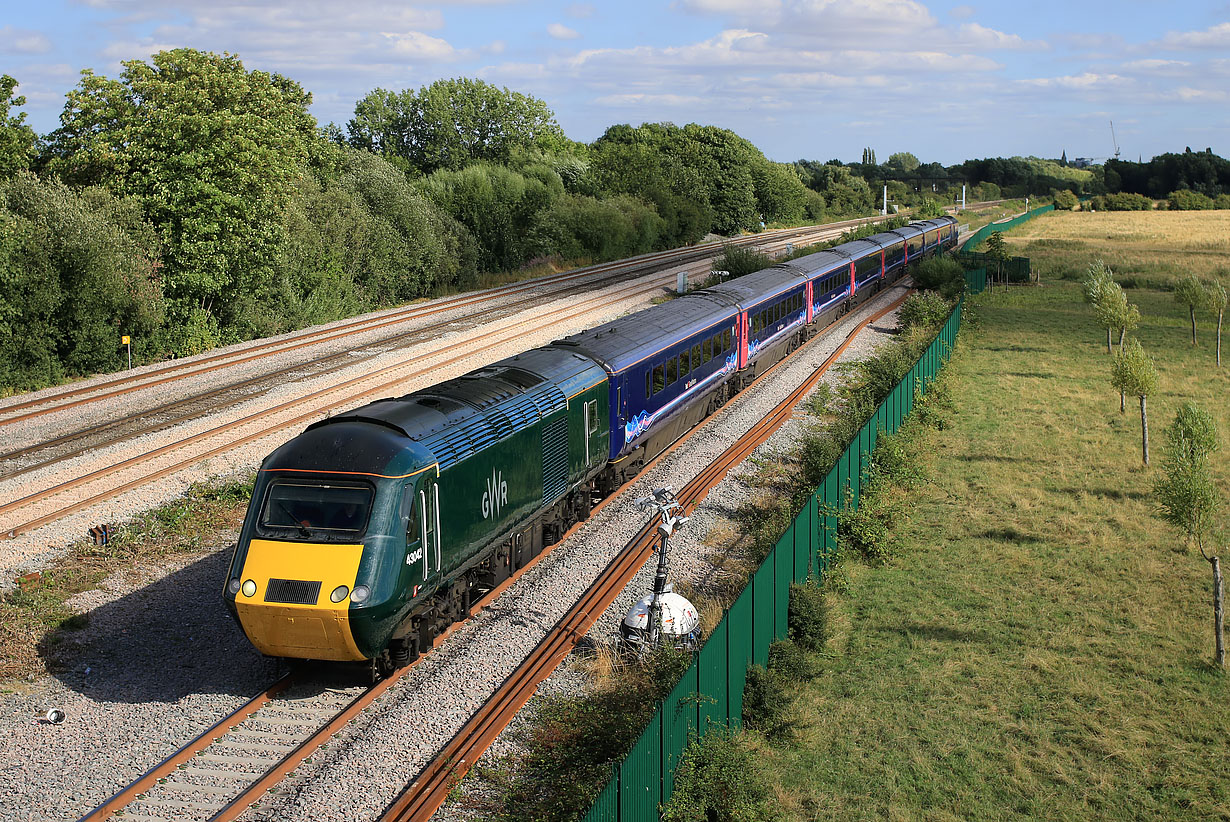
[(1145, 248), (1042, 647)]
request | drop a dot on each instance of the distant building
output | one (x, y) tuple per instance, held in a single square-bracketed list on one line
[(1082, 162)]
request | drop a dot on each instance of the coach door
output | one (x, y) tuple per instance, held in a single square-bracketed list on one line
[(429, 525)]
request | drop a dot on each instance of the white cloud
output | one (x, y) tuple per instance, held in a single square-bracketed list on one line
[(961, 12), (415, 45), (23, 41), (975, 36), (581, 11), (1087, 81), (1217, 37), (561, 32)]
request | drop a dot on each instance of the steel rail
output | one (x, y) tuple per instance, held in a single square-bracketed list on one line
[(113, 491), (236, 386), (521, 685), (177, 370), (424, 796), (125, 796)]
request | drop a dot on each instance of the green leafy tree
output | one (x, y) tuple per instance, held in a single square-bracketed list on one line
[(1189, 496), (77, 270), (997, 251), (453, 123), (1217, 303), (17, 140), (212, 152), (1097, 277), (780, 194), (1189, 291), (1133, 373), (902, 163)]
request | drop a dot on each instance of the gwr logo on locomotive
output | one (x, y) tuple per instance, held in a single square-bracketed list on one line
[(496, 496)]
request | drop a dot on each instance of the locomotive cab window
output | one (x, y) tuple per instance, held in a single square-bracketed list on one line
[(318, 511)]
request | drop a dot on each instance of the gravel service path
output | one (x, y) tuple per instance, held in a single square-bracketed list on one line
[(159, 660)]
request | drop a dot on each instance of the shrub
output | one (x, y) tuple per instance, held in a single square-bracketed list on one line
[(1126, 201), (1065, 200), (741, 260), (1187, 200), (807, 617), (1221, 202), (942, 274), (720, 779), (926, 310), (765, 702)]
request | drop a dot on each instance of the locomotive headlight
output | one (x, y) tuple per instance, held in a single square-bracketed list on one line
[(233, 586), (249, 588), (359, 594), (339, 593)]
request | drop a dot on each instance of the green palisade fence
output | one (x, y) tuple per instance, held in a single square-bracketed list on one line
[(986, 231), (711, 692)]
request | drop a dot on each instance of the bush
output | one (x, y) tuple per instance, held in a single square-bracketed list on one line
[(720, 779), (1221, 202), (1126, 202), (926, 310), (942, 274), (1187, 200), (807, 617), (765, 701), (741, 260), (1065, 200)]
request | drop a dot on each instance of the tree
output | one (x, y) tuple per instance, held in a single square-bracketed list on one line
[(211, 150), (1189, 291), (1114, 311), (453, 123), (1189, 497), (1217, 303), (17, 140), (902, 163), (1133, 373), (997, 250)]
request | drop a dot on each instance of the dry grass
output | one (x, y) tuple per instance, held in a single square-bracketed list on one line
[(1145, 248)]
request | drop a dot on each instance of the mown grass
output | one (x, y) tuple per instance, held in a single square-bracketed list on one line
[(36, 612), (1041, 646), (1144, 248)]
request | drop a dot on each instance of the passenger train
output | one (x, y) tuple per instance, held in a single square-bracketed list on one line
[(374, 530)]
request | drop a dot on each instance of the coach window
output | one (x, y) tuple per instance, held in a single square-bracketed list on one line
[(726, 340), (696, 356), (685, 364), (672, 370), (707, 350), (659, 378), (648, 384)]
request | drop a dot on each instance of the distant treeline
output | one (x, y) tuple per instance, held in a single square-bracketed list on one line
[(190, 203)]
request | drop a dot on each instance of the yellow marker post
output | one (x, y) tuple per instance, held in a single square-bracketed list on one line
[(127, 340)]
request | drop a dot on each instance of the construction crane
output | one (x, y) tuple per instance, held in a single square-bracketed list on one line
[(1113, 140)]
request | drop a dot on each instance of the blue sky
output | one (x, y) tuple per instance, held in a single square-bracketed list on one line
[(813, 79)]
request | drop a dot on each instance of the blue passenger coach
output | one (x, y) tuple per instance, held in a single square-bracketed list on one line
[(668, 366)]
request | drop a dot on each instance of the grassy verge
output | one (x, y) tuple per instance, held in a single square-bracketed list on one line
[(1039, 645), (36, 612)]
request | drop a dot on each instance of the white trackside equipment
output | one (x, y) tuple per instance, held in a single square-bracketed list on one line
[(679, 619)]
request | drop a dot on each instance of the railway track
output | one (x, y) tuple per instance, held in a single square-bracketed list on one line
[(75, 396), (221, 773), (39, 502)]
